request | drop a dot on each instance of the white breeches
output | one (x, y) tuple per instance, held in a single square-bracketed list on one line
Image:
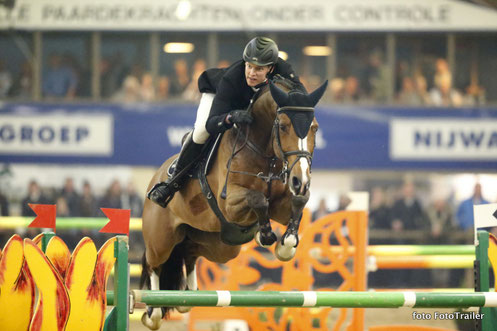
[(200, 134)]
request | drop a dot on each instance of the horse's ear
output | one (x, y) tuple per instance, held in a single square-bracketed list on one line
[(316, 95), (279, 96)]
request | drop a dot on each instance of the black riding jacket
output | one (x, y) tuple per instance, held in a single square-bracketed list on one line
[(232, 91)]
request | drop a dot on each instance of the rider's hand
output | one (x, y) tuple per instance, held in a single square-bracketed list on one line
[(239, 117)]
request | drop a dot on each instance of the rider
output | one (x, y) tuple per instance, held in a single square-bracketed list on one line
[(226, 94)]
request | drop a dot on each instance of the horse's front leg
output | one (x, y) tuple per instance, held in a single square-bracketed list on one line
[(265, 236), (242, 203), (287, 246)]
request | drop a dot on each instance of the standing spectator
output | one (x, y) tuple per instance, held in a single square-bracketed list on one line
[(112, 198), (407, 214), (131, 200), (465, 217), (5, 80), (321, 211), (377, 77), (23, 83), (4, 205), (88, 202), (71, 197), (59, 81), (35, 195), (442, 224), (180, 80), (379, 214)]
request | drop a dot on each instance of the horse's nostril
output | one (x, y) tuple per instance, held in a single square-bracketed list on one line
[(296, 183)]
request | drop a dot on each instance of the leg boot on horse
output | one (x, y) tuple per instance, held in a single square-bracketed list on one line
[(163, 192)]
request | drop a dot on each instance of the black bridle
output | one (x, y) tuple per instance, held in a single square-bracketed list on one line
[(272, 159)]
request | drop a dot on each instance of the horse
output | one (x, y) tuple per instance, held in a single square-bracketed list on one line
[(260, 171)]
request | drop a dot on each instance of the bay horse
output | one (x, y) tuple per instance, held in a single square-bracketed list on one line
[(262, 171)]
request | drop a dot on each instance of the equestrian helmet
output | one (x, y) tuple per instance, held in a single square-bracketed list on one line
[(261, 51)]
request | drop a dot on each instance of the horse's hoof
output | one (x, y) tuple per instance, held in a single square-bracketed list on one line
[(183, 309), (149, 323), (284, 252), (265, 241)]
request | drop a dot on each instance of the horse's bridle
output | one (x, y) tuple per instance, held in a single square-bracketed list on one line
[(276, 134), (273, 159)]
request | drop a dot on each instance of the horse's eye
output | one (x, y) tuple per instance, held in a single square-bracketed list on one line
[(284, 127), (315, 129)]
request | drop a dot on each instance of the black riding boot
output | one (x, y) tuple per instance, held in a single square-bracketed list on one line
[(163, 192)]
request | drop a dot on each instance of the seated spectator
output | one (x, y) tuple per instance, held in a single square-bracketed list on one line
[(337, 90), (351, 93), (130, 91), (162, 88), (5, 80), (465, 217), (422, 88), (408, 95), (444, 95), (191, 92), (223, 64), (147, 88), (442, 72), (36, 196), (475, 95), (23, 83), (181, 79), (59, 80), (88, 202)]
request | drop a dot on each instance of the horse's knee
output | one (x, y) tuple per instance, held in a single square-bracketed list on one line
[(257, 200)]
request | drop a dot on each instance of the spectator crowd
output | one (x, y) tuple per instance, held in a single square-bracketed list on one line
[(65, 78)]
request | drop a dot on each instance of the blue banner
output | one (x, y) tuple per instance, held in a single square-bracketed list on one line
[(349, 138)]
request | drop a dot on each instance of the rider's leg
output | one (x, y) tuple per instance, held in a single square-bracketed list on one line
[(162, 192)]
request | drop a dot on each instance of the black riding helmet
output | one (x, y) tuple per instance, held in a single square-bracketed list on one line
[(261, 51)]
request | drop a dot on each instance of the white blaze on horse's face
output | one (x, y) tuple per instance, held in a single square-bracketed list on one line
[(305, 167)]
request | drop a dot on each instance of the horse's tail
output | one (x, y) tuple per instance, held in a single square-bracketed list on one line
[(172, 276)]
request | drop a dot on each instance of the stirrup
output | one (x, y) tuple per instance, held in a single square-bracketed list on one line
[(162, 193)]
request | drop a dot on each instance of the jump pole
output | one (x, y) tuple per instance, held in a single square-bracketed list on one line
[(315, 299)]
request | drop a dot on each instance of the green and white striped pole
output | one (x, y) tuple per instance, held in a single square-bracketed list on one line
[(315, 299)]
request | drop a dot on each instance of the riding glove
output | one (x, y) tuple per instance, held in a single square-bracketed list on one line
[(239, 117)]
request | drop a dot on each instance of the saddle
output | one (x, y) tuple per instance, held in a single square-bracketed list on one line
[(231, 234)]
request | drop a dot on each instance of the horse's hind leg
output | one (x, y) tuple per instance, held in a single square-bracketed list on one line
[(287, 246), (265, 236), (191, 279), (163, 263)]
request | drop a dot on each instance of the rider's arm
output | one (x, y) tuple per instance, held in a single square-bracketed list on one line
[(285, 69), (221, 106)]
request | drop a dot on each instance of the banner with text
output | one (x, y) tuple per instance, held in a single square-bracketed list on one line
[(360, 138), (255, 15)]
